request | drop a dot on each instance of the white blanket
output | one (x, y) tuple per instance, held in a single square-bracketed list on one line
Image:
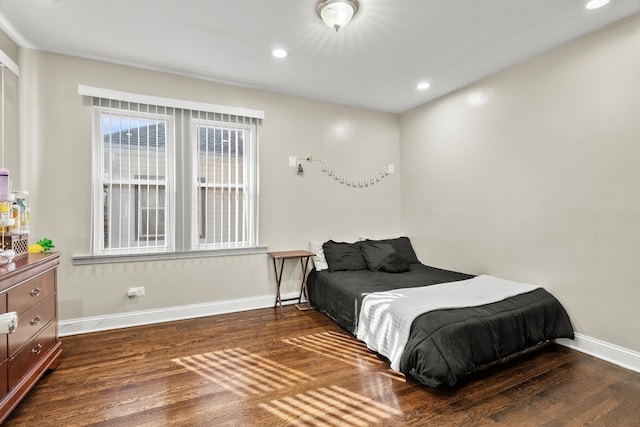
[(386, 317)]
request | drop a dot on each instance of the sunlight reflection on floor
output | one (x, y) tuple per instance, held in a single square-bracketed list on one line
[(337, 346), (242, 372), (330, 406)]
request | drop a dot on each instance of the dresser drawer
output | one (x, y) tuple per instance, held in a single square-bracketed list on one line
[(31, 292), (31, 354), (31, 321)]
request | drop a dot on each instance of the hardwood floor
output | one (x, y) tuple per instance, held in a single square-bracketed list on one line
[(263, 368)]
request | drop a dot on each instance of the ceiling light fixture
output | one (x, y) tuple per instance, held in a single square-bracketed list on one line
[(423, 86), (336, 13), (595, 4), (279, 53)]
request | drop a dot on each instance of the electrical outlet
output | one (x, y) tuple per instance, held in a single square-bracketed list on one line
[(135, 292), (293, 161), (391, 168)]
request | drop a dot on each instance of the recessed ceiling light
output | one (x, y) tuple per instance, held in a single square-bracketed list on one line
[(423, 86), (594, 4), (279, 53)]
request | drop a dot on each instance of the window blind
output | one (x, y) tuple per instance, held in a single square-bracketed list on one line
[(172, 178)]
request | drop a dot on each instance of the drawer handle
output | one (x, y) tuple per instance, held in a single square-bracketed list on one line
[(35, 320), (37, 349), (35, 292)]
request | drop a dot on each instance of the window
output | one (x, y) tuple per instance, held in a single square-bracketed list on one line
[(172, 179), (134, 147), (220, 167)]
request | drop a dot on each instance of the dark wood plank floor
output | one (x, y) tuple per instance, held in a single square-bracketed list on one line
[(262, 368)]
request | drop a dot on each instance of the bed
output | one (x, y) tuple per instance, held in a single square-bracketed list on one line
[(354, 283)]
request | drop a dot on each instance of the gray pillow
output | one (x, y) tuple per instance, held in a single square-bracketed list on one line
[(375, 253), (342, 256), (403, 247), (395, 263)]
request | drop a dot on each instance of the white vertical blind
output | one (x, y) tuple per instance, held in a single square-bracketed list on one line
[(134, 176), (225, 156), (147, 157)]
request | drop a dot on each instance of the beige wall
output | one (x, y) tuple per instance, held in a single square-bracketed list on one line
[(293, 210), (542, 182)]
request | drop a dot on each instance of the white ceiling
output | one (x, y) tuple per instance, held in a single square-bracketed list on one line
[(375, 62)]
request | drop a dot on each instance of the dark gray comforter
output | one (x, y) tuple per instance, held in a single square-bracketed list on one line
[(445, 345)]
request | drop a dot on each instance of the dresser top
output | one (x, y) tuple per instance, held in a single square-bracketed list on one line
[(25, 266)]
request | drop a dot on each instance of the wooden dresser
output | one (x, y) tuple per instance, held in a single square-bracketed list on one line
[(29, 289)]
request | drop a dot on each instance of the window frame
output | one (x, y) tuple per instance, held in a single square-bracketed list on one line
[(181, 179), (249, 189), (101, 181)]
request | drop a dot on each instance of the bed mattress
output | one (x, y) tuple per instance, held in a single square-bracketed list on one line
[(445, 345), (339, 294)]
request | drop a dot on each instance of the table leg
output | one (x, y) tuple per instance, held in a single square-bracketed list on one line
[(278, 280), (304, 264)]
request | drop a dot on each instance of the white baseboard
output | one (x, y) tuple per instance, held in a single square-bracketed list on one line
[(617, 355), (146, 317), (620, 356)]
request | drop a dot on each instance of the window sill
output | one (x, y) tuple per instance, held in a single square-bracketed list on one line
[(109, 259)]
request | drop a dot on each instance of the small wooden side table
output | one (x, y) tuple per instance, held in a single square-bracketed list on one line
[(303, 256)]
